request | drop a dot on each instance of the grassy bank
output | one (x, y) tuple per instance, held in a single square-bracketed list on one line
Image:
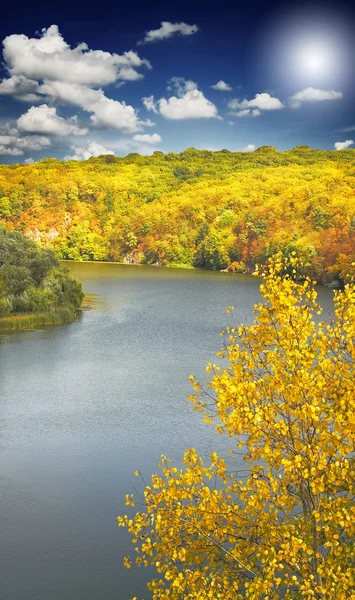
[(31, 321)]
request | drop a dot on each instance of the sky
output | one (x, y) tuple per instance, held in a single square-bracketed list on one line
[(79, 80)]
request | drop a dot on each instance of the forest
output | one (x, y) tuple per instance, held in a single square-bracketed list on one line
[(33, 287), (215, 210)]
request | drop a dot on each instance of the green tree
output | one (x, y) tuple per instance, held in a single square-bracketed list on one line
[(31, 280)]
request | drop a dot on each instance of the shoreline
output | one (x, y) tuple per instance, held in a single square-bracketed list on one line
[(30, 321)]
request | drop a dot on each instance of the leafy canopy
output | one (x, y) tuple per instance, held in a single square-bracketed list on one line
[(197, 208), (286, 399), (31, 280)]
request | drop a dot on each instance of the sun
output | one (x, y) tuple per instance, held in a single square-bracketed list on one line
[(307, 48), (313, 59)]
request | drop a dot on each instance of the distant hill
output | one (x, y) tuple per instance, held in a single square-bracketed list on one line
[(198, 208)]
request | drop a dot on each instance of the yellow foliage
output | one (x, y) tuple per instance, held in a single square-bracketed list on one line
[(205, 209), (287, 529)]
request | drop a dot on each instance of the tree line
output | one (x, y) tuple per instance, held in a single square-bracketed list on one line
[(213, 210)]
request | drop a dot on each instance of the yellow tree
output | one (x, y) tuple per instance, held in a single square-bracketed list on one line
[(286, 398)]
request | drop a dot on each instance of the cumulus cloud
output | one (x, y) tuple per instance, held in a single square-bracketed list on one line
[(28, 161), (127, 146), (147, 123), (50, 57), (167, 30), (7, 129), (91, 149), (313, 95), (249, 148), (8, 150), (143, 144), (145, 138), (192, 105), (150, 104), (107, 113), (343, 145), (189, 102), (44, 119), (261, 102), (246, 112), (13, 143), (222, 86), (33, 142), (181, 85), (47, 67), (20, 88)]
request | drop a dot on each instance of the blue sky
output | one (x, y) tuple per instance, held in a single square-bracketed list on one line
[(79, 81)]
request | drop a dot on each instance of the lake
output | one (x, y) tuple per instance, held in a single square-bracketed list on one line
[(86, 404)]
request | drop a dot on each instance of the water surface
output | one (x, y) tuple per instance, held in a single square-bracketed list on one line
[(84, 405)]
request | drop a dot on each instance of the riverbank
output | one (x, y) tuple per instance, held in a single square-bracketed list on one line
[(32, 320)]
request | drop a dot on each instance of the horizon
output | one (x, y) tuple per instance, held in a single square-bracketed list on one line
[(160, 152)]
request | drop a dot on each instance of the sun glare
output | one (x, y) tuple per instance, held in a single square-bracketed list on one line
[(312, 49), (314, 60)]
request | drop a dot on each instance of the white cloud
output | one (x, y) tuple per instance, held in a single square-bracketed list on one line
[(7, 150), (263, 101), (122, 146), (145, 138), (181, 85), (50, 57), (112, 114), (191, 105), (231, 123), (313, 95), (33, 142), (147, 123), (107, 113), (91, 149), (7, 129), (222, 86), (246, 112), (167, 30), (150, 104), (28, 161), (127, 146), (44, 119), (47, 67), (20, 88), (17, 146), (249, 148), (12, 143), (343, 145)]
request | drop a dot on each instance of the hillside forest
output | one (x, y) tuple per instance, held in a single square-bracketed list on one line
[(214, 210)]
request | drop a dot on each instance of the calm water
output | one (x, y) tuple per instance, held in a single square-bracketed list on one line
[(84, 405)]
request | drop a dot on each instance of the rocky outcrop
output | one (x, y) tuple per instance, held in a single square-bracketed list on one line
[(135, 257)]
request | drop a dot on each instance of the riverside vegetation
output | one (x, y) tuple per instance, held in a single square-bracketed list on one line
[(284, 527), (34, 290), (215, 210)]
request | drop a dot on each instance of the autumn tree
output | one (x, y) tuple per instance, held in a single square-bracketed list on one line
[(284, 396), (197, 208)]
